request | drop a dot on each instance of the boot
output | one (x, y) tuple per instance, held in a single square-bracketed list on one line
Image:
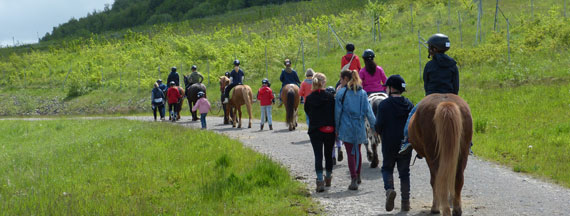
[(320, 186), (405, 205), (358, 180), (340, 157), (328, 181), (353, 184), (261, 128), (270, 127), (225, 101), (390, 196)]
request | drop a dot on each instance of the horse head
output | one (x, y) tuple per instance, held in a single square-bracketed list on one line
[(224, 81)]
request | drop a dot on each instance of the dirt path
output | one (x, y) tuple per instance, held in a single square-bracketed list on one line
[(489, 189)]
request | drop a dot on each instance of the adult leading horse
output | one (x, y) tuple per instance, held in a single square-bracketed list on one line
[(441, 131), (290, 95), (192, 95), (373, 138)]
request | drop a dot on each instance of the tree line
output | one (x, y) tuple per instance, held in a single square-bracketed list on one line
[(130, 13)]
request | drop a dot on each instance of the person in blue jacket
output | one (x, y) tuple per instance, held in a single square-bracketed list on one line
[(440, 76), (390, 120), (161, 86), (236, 78), (288, 76), (351, 107)]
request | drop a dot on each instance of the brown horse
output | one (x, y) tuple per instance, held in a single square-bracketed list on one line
[(290, 95), (242, 95), (441, 131), (192, 97), (178, 106), (224, 81)]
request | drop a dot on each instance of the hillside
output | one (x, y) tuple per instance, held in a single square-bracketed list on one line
[(519, 101)]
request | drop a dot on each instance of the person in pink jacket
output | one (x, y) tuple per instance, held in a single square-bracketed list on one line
[(372, 76), (204, 106), (306, 88)]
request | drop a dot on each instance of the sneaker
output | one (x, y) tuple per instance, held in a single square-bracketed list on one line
[(340, 157), (390, 196), (270, 127), (320, 186), (261, 128), (353, 184), (405, 148), (405, 205), (225, 101)]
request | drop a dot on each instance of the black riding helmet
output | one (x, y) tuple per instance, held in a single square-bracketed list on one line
[(265, 81), (439, 41), (331, 90), (227, 74), (201, 94), (397, 82), (172, 83), (159, 81), (368, 54), (194, 67), (173, 69), (236, 62)]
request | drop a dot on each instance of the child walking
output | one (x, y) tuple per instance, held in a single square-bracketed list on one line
[(306, 88), (265, 97), (390, 120), (173, 97), (204, 106)]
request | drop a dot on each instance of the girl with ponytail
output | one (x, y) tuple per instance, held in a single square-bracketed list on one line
[(351, 107)]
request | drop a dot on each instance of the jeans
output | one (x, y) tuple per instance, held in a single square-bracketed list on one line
[(203, 120), (403, 163), (266, 111), (408, 121), (354, 159), (171, 108), (160, 108), (228, 89), (318, 141)]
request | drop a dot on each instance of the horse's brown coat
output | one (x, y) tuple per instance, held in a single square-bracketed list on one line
[(290, 96), (441, 131), (242, 95)]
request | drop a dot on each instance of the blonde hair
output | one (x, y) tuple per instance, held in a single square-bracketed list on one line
[(156, 85), (319, 81), (354, 81), (310, 72)]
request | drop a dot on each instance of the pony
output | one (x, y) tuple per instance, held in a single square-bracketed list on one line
[(192, 95), (373, 138), (441, 131), (224, 81), (290, 95), (178, 106), (241, 95)]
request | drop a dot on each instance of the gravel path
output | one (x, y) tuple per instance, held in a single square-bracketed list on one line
[(489, 189)]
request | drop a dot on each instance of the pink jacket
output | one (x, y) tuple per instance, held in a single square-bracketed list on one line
[(203, 105), (306, 87), (373, 83)]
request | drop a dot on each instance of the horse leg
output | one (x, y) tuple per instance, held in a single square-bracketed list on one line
[(434, 205), (375, 160), (233, 114), (459, 180), (239, 113)]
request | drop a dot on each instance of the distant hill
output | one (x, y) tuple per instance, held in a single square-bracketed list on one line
[(130, 13)]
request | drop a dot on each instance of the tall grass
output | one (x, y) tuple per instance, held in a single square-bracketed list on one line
[(120, 167)]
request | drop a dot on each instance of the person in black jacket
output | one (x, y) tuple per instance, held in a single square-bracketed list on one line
[(440, 76), (390, 120), (173, 76), (319, 106)]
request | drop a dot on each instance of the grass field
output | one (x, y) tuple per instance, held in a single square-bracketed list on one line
[(121, 167)]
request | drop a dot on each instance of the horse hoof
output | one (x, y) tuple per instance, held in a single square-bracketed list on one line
[(233, 126), (374, 164), (249, 126), (456, 212)]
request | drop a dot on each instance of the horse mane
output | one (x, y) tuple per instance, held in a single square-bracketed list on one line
[(449, 128)]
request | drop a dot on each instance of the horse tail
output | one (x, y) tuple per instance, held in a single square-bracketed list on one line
[(290, 106), (448, 127)]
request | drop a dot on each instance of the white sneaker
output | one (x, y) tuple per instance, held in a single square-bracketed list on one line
[(225, 101)]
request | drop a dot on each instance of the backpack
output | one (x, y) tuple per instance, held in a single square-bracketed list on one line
[(347, 66)]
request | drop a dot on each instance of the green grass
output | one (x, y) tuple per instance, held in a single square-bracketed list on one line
[(121, 167)]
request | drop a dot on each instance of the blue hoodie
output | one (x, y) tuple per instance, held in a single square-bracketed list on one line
[(350, 124)]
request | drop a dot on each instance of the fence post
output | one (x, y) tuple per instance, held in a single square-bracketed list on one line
[(479, 14), (532, 9), (120, 78), (64, 81), (139, 86), (208, 68), (420, 53), (318, 49), (460, 32), (303, 50), (374, 27), (496, 13), (266, 67), (102, 80), (564, 8), (159, 72), (437, 26), (412, 17), (509, 38), (448, 12)]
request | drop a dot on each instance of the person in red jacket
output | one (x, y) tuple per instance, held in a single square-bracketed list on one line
[(355, 63), (173, 97), (265, 97)]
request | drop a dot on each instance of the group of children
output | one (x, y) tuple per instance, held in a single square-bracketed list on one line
[(339, 115)]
